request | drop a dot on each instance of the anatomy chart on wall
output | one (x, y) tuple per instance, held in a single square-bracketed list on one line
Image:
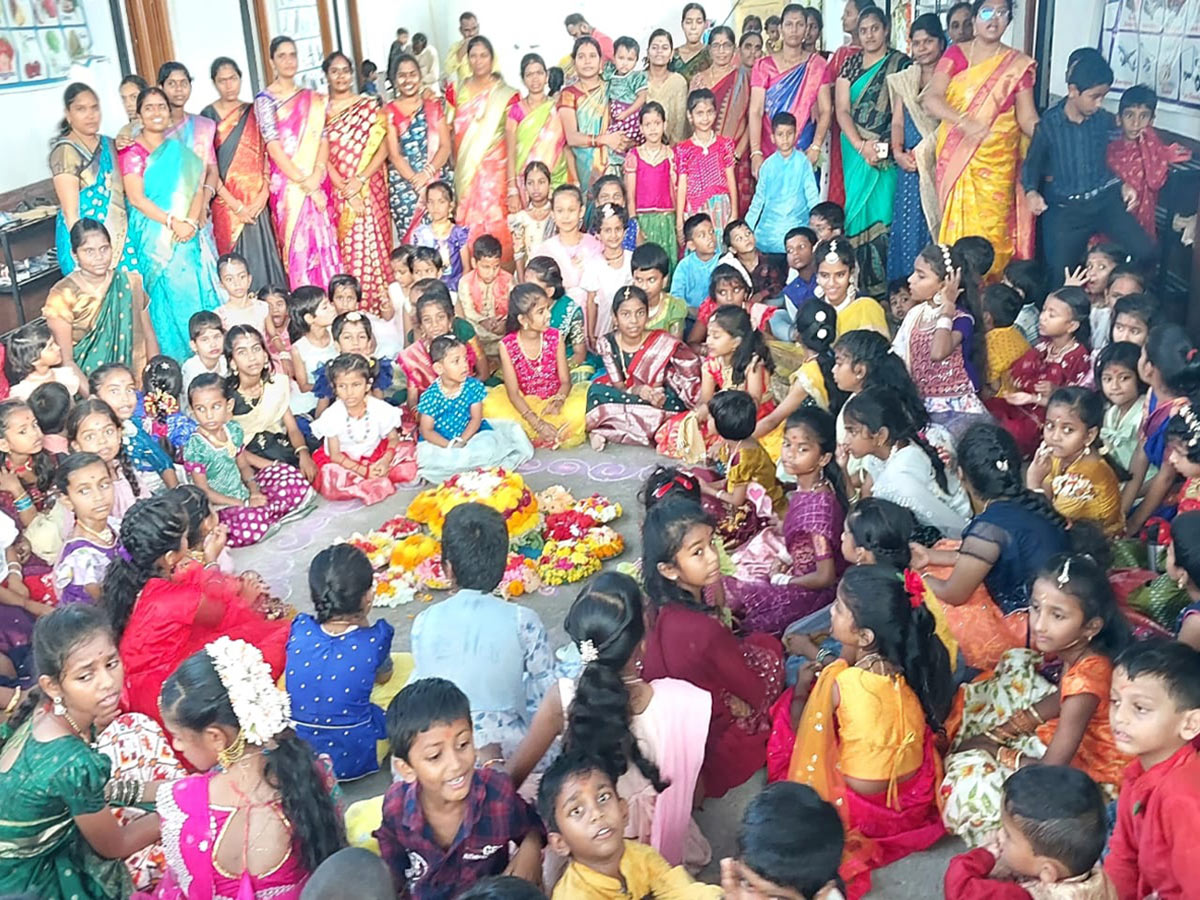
[(1155, 42), (40, 40)]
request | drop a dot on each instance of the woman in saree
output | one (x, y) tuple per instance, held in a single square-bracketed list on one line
[(164, 181), (583, 112), (292, 121), (916, 214), (87, 182), (418, 146), (357, 133), (98, 314), (649, 375), (666, 88), (692, 57), (982, 91), (534, 133), (864, 112), (791, 80), (729, 82), (480, 104), (238, 223), (835, 186)]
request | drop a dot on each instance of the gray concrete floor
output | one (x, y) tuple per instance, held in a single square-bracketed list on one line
[(617, 473)]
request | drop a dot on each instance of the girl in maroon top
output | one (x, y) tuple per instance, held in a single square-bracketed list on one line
[(689, 640)]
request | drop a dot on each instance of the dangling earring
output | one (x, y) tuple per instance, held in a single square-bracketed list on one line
[(234, 752), (818, 292), (59, 708), (851, 292), (937, 299)]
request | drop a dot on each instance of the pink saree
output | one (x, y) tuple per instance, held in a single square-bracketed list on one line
[(793, 91), (480, 158), (303, 223), (191, 829)]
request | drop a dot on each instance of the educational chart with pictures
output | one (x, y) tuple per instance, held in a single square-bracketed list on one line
[(1155, 42), (300, 20), (40, 40)]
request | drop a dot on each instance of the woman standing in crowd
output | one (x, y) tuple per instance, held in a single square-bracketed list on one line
[(837, 188), (534, 133), (693, 56), (292, 120), (87, 183), (583, 111), (814, 29), (238, 223), (357, 154), (917, 213), (982, 91), (730, 84), (418, 146), (864, 113), (480, 105), (131, 86), (164, 181), (668, 89), (792, 80)]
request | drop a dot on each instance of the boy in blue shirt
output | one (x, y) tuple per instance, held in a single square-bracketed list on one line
[(787, 189), (801, 287), (694, 271)]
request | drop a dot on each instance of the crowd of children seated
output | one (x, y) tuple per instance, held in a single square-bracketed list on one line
[(931, 559)]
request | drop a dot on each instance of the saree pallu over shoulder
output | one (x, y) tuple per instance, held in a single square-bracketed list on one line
[(480, 157), (303, 226), (540, 138), (978, 178), (793, 91), (242, 166), (906, 85), (355, 136), (417, 136), (104, 329), (591, 119), (101, 197)]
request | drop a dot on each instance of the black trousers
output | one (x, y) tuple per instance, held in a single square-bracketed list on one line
[(1066, 229)]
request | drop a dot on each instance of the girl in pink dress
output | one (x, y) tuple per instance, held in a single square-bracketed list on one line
[(572, 248), (706, 182), (260, 818), (650, 183)]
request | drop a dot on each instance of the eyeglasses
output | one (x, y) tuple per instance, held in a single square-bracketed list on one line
[(994, 12)]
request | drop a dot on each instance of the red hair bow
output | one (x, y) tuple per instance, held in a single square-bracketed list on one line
[(915, 587)]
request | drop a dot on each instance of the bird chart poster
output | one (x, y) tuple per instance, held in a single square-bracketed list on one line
[(40, 40), (1156, 43)]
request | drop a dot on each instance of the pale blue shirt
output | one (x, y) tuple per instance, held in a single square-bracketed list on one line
[(692, 277), (787, 190)]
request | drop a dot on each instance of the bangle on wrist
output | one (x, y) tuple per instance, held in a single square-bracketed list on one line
[(756, 153), (14, 702)]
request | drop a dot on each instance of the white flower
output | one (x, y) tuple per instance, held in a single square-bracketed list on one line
[(262, 709), (588, 652)]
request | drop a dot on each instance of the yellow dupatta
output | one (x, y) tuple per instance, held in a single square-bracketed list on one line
[(308, 147)]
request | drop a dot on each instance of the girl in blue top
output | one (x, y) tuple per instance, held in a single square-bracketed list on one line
[(338, 661)]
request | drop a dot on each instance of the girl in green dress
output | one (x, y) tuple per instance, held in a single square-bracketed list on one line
[(58, 836)]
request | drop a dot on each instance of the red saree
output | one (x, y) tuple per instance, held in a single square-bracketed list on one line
[(363, 222), (733, 104)]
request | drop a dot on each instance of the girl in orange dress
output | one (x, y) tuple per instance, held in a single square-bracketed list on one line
[(867, 736), (1017, 718)]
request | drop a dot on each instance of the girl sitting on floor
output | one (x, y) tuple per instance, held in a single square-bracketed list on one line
[(537, 390), (1125, 392), (85, 487), (252, 504), (1183, 567), (727, 287), (310, 315), (651, 730), (1134, 316), (260, 396), (113, 383), (566, 315), (785, 573), (867, 739), (688, 640), (224, 711), (435, 317), (1017, 718), (279, 341), (454, 435), (207, 538), (648, 376), (1070, 465), (33, 358), (363, 457), (836, 280), (93, 427), (337, 715), (162, 403)]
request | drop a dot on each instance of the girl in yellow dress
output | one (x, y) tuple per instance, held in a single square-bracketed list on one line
[(537, 389), (836, 278), (1070, 466)]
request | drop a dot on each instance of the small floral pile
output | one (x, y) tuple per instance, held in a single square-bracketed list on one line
[(554, 539)]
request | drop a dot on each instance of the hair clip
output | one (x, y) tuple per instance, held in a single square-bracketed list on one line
[(684, 481), (354, 316), (608, 210), (822, 334), (1065, 575), (819, 316), (945, 248), (1002, 465), (588, 652)]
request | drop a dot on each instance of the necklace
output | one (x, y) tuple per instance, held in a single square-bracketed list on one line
[(351, 436), (78, 731), (221, 443), (653, 158), (707, 146), (872, 660), (104, 537), (541, 347)]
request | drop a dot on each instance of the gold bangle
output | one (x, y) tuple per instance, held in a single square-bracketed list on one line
[(13, 702)]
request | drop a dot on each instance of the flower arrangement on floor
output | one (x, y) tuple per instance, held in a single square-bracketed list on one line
[(554, 538)]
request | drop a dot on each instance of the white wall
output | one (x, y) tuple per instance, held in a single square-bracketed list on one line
[(201, 32), (31, 115)]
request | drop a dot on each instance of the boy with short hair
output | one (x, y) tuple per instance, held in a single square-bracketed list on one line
[(787, 189), (447, 824), (650, 265), (773, 39), (483, 294), (585, 822), (206, 335), (900, 299), (801, 281), (789, 845), (1052, 830), (241, 307), (827, 220), (1155, 715), (694, 272), (1066, 161), (628, 88), (1139, 157)]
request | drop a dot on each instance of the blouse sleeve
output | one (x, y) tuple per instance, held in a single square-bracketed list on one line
[(195, 453), (65, 159), (268, 121), (758, 74), (516, 113), (984, 541), (133, 159), (330, 423), (79, 780), (952, 62), (1092, 675), (567, 99)]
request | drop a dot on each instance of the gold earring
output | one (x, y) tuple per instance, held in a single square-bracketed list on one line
[(233, 753)]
